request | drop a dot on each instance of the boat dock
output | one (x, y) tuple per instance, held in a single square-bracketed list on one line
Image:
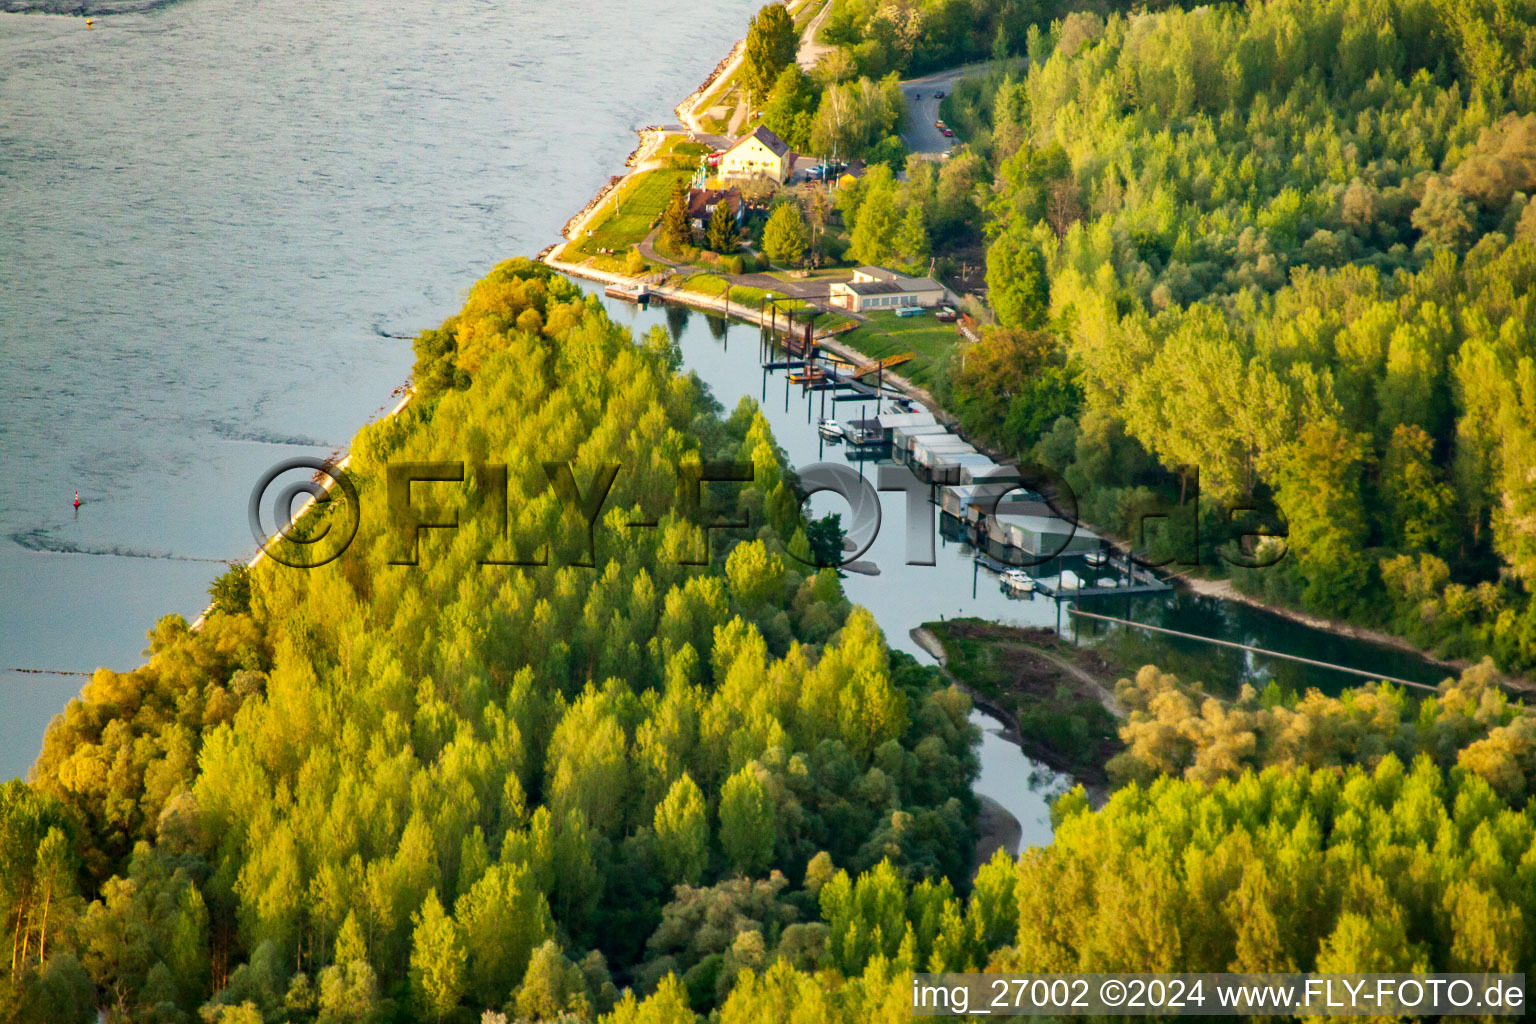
[(1136, 580), (638, 294)]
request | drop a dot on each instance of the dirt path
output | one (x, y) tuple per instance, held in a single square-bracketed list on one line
[(688, 110), (810, 49)]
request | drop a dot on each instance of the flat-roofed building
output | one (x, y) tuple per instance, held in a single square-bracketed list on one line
[(876, 288)]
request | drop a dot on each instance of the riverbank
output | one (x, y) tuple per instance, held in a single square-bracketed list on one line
[(1223, 590), (1022, 678), (673, 290)]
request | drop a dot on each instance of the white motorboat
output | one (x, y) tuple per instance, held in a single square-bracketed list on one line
[(1107, 582), (1097, 559), (830, 429), (1070, 580), (1018, 581)]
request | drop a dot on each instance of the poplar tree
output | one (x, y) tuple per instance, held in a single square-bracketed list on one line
[(437, 960), (770, 48), (746, 822), (682, 832)]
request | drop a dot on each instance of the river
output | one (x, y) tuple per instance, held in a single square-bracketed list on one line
[(226, 213), (213, 215)]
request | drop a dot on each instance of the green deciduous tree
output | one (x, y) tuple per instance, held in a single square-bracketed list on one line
[(503, 919), (1320, 497), (682, 832), (1017, 284), (437, 961), (552, 986), (1421, 506), (770, 49), (911, 242), (746, 822), (791, 108)]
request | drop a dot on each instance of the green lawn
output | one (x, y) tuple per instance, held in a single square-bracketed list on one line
[(887, 334), (714, 285), (640, 201), (681, 153), (825, 274)]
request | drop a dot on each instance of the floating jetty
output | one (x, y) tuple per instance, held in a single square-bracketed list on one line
[(638, 294), (1070, 583)]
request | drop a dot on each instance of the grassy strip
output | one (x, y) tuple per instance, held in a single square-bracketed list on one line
[(887, 334), (714, 286), (681, 153), (640, 201)]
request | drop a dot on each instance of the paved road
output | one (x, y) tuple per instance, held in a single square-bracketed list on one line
[(923, 107)]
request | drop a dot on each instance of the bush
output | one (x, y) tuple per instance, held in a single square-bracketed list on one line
[(734, 265), (231, 591)]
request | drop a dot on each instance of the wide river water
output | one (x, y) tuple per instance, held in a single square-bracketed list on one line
[(213, 215), (217, 217)]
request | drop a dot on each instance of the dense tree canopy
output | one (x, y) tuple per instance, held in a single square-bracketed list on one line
[(1285, 251), (391, 789), (589, 758), (770, 49)]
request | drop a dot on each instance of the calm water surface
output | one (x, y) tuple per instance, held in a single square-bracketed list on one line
[(904, 596), (216, 215), (213, 215)]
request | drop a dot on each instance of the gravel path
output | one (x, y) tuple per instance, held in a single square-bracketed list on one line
[(810, 49)]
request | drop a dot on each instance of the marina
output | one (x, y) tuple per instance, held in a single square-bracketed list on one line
[(1015, 531)]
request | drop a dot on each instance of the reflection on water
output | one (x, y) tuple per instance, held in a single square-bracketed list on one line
[(1026, 788), (1222, 670), (904, 596)]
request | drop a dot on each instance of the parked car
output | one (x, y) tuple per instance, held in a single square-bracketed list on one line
[(947, 133), (939, 95), (939, 125)]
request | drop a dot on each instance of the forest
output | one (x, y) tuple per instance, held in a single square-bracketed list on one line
[(1265, 269), (370, 790), (1276, 255), (646, 791)]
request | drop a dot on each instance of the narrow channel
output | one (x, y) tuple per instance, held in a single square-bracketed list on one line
[(725, 357)]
